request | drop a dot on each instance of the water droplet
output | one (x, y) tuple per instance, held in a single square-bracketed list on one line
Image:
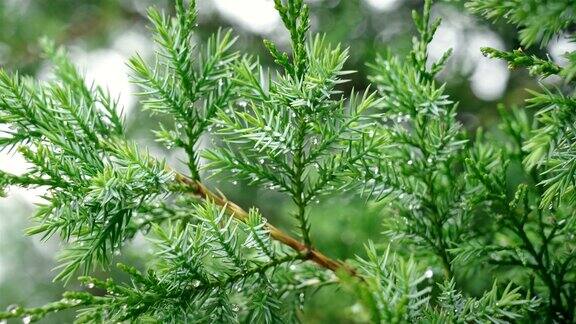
[(235, 308), (429, 160), (146, 228), (429, 273), (27, 319), (195, 283), (12, 308), (242, 103), (234, 182), (90, 285), (261, 161), (410, 162), (356, 308)]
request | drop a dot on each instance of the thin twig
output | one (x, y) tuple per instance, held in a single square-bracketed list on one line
[(200, 190)]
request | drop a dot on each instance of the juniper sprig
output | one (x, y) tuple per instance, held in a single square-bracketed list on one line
[(450, 209)]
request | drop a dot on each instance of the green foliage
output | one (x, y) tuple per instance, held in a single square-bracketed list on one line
[(450, 208), (187, 83), (538, 21), (398, 291), (414, 173), (215, 269), (533, 220), (73, 138), (296, 132), (395, 291), (206, 272), (493, 307)]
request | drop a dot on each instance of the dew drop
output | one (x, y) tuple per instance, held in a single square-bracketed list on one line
[(234, 182), (429, 160), (12, 308), (146, 228), (429, 273), (410, 162), (195, 283), (235, 308), (356, 308), (261, 161), (27, 319)]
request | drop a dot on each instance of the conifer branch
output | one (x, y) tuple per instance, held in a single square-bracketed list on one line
[(445, 195), (198, 189)]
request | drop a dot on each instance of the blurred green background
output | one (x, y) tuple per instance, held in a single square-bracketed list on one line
[(103, 34)]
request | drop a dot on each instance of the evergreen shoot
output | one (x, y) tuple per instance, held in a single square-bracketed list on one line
[(448, 205)]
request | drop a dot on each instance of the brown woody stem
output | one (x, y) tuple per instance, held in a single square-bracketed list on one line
[(200, 190)]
